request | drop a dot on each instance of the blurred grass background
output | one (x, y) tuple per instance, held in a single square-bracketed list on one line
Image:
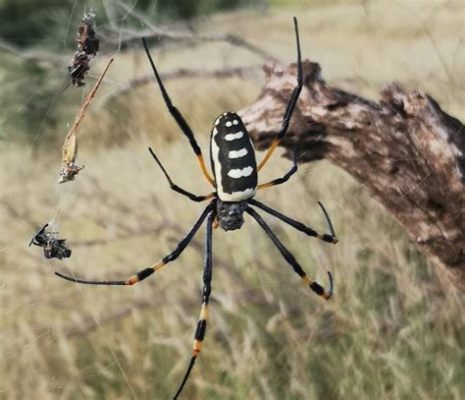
[(394, 329)]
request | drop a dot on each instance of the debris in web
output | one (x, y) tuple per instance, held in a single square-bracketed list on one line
[(48, 240), (70, 168), (87, 48)]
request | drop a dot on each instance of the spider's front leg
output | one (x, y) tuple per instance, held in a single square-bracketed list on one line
[(202, 322), (290, 106), (183, 125), (285, 177)]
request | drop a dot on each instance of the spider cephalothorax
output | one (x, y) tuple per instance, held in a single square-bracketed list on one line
[(235, 183), (230, 214)]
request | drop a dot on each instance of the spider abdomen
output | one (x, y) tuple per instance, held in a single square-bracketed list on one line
[(233, 159)]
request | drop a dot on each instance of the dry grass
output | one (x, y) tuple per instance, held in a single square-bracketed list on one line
[(393, 329)]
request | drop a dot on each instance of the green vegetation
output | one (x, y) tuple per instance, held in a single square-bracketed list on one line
[(32, 22), (394, 329)]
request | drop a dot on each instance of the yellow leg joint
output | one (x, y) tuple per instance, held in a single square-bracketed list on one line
[(204, 170), (307, 280), (204, 312), (273, 146), (158, 265), (132, 280), (265, 185), (326, 296), (196, 347)]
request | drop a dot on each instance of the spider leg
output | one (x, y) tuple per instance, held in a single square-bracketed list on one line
[(290, 106), (284, 178), (179, 118), (330, 238), (175, 187), (146, 272), (38, 234), (202, 322), (316, 287)]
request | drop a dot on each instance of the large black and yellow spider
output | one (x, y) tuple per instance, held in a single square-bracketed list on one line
[(235, 181)]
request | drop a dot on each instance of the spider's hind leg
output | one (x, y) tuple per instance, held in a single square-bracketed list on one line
[(315, 286), (202, 322), (326, 237)]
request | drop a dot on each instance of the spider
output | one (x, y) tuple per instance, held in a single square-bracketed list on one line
[(235, 181)]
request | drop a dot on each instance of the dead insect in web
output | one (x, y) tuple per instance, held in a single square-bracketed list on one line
[(78, 68), (53, 247), (87, 48), (86, 39), (70, 168)]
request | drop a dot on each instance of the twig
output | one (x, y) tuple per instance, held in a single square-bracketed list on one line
[(87, 102), (69, 167), (152, 31), (363, 137), (31, 56), (221, 73)]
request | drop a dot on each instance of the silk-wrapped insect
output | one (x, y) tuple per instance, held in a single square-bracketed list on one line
[(53, 247)]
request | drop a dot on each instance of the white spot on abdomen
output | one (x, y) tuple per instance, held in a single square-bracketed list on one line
[(237, 196), (237, 153), (239, 173), (233, 136)]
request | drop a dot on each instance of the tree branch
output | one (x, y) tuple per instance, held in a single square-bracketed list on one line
[(123, 36), (221, 73), (34, 56), (405, 149)]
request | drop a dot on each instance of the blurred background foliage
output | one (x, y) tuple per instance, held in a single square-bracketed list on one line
[(51, 25), (29, 22), (31, 88)]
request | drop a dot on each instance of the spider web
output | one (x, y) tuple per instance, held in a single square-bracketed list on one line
[(64, 198)]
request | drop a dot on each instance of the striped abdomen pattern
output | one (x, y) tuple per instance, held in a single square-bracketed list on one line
[(233, 159)]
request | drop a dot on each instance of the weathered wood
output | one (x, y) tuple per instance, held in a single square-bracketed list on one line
[(405, 149)]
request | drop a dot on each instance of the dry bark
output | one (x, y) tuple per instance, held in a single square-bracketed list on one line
[(405, 149)]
